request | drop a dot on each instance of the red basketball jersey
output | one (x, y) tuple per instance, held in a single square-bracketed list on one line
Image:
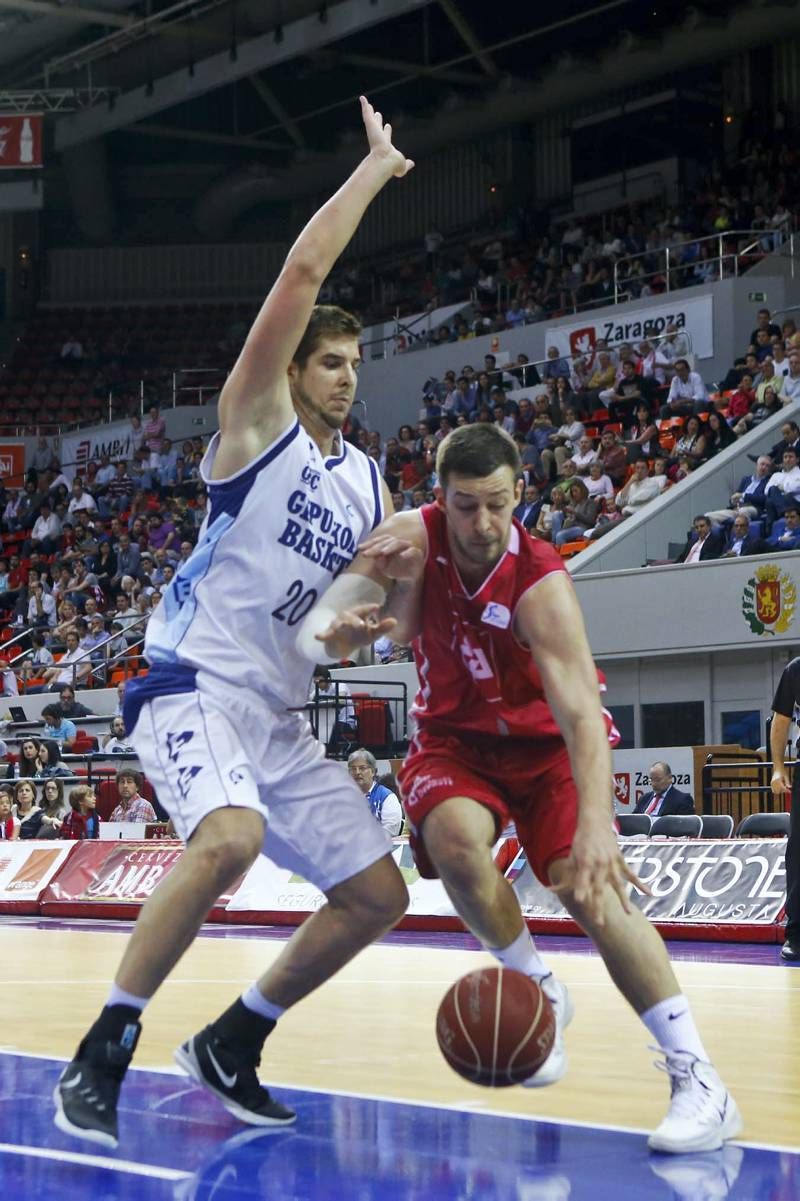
[(474, 673)]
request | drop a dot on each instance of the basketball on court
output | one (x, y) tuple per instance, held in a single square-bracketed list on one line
[(495, 1027)]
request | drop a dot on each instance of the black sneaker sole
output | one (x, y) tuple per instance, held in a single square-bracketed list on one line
[(67, 1127), (185, 1058)]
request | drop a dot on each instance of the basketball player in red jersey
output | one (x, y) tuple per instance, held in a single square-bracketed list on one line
[(509, 724)]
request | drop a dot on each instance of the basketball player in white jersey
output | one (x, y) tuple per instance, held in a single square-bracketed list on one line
[(218, 721)]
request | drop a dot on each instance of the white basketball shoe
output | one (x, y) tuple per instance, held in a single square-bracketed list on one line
[(555, 1065), (702, 1114)]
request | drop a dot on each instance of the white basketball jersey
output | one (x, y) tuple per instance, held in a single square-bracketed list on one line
[(276, 534)]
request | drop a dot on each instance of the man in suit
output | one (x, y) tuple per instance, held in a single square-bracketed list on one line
[(704, 544), (528, 510), (750, 497), (790, 440), (741, 540), (786, 532), (664, 799)]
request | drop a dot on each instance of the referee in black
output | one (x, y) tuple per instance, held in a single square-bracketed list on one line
[(786, 699)]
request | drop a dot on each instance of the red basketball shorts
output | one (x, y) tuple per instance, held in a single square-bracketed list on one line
[(527, 782)]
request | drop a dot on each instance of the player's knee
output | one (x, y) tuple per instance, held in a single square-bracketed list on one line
[(393, 902), (227, 847), (375, 899), (458, 859)]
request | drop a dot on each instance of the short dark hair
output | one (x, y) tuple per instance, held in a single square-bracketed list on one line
[(326, 321), (127, 773), (476, 451)]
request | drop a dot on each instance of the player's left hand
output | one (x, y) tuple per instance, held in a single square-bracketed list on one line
[(395, 558), (594, 864), (379, 137), (353, 628)]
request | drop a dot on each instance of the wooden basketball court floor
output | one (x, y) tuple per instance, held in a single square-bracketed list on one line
[(379, 1112)]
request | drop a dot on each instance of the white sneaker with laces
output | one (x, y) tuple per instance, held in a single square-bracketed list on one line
[(555, 1065), (702, 1114)]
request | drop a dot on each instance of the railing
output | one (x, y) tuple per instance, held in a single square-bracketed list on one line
[(325, 713), (529, 368), (726, 262), (740, 786), (197, 390), (108, 664)]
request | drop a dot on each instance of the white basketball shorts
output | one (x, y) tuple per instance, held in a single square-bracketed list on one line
[(202, 752)]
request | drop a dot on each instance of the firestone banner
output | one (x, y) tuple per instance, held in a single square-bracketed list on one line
[(114, 440), (695, 316), (726, 882)]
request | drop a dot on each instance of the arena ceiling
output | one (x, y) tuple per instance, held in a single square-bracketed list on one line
[(278, 78)]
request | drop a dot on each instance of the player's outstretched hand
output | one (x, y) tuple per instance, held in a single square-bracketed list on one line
[(595, 863), (379, 137), (354, 627), (780, 782), (394, 557)]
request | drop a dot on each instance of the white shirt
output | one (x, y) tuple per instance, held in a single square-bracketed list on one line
[(48, 608), (303, 514), (84, 501), (692, 389), (787, 482), (583, 460), (601, 487), (677, 348), (694, 551), (10, 685), (339, 692), (46, 527), (114, 744), (790, 389), (639, 492), (65, 662)]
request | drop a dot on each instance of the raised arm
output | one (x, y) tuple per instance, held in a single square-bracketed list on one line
[(256, 393)]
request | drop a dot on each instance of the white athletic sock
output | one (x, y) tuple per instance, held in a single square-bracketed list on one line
[(256, 1002), (672, 1026), (118, 996), (521, 956)]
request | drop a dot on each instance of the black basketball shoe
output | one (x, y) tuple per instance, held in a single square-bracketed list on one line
[(228, 1070), (87, 1092)]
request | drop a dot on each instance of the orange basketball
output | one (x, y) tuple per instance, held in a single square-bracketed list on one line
[(495, 1027)]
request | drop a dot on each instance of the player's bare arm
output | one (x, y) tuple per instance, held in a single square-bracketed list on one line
[(550, 623), (778, 735), (378, 594), (255, 404)]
